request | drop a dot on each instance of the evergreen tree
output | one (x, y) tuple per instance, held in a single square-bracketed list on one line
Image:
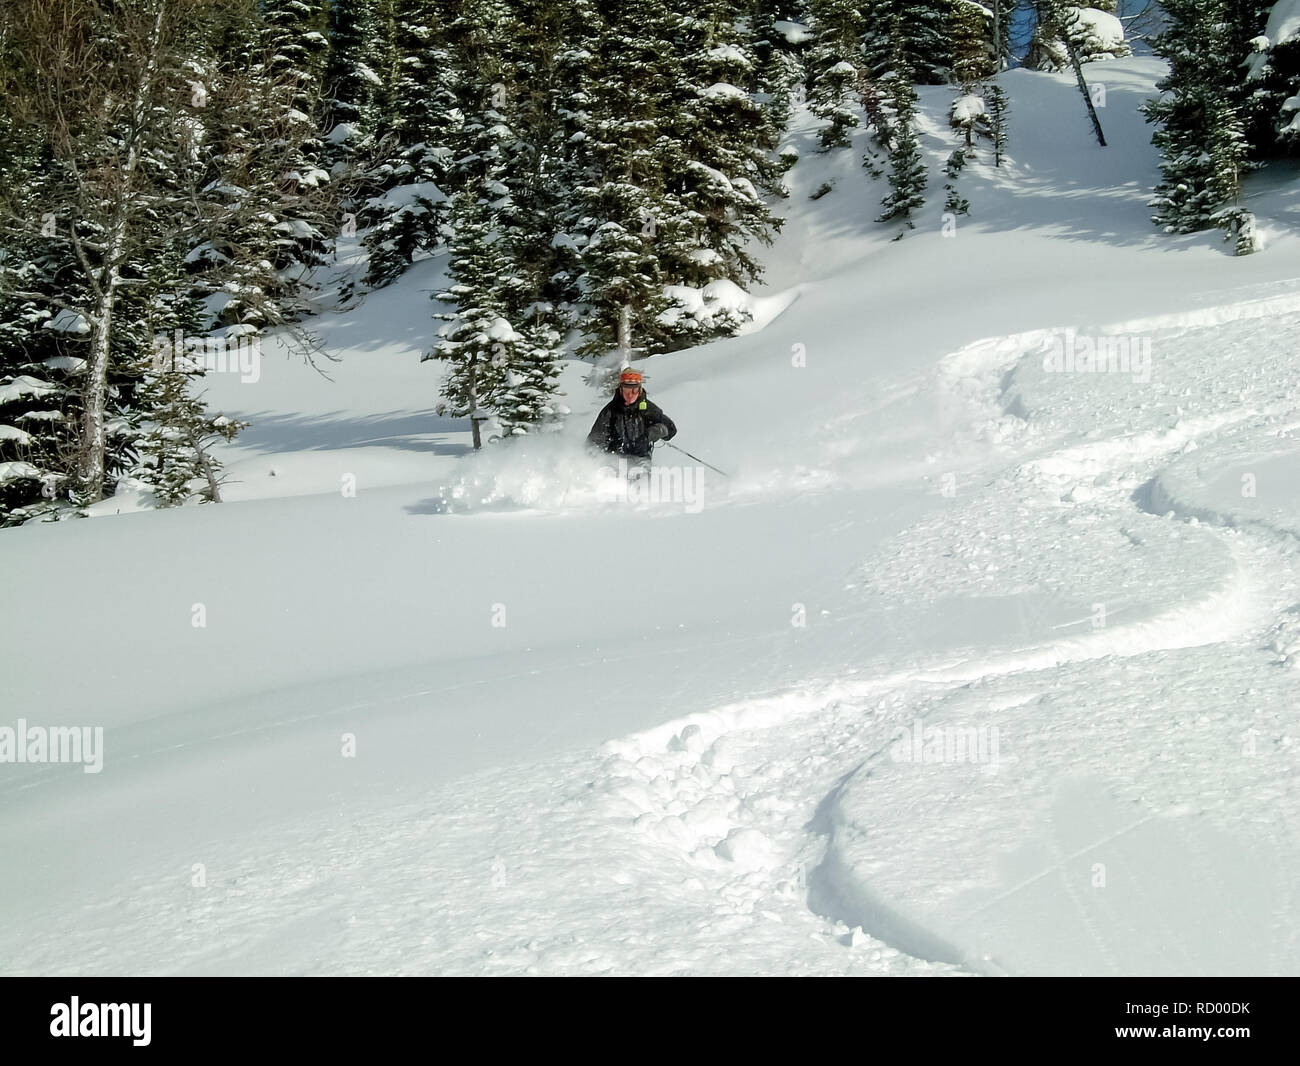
[(835, 68), (971, 37), (357, 77), (922, 28), (97, 228), (477, 340), (1057, 22), (172, 431), (628, 215), (295, 52), (1272, 85), (777, 57), (268, 212), (495, 368), (1200, 133), (954, 202), (134, 192), (725, 147), (995, 98), (421, 133), (546, 90), (907, 176), (527, 397), (573, 166)]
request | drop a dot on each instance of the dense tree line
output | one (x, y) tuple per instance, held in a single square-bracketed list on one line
[(1223, 110), (599, 174), (179, 168)]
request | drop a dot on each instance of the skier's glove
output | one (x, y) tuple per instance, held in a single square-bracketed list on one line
[(657, 432)]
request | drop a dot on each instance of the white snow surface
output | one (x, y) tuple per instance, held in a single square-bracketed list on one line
[(1101, 26), (793, 32), (1282, 26), (68, 322), (16, 471), (966, 109), (24, 385), (723, 90), (972, 665), (1283, 22), (407, 195)]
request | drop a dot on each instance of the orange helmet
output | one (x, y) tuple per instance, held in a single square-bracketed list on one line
[(630, 377)]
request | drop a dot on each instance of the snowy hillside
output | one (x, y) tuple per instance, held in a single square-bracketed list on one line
[(982, 660)]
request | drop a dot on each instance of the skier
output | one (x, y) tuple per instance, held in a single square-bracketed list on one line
[(630, 424)]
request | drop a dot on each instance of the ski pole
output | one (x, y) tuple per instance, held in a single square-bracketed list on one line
[(697, 459)]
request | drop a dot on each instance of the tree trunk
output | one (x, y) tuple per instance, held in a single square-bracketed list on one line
[(474, 419), (91, 460), (90, 468), (625, 333), (997, 70), (1083, 88), (205, 464)]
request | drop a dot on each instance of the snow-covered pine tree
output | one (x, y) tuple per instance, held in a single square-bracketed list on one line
[(37, 367), (627, 212), (421, 134), (907, 173), (973, 62), (1093, 29), (777, 55), (172, 431), (357, 78), (295, 51), (971, 37), (928, 40), (570, 165), (505, 217), (1228, 152), (40, 366), (527, 400), (1199, 129), (143, 188), (246, 145), (545, 88), (1271, 94), (726, 143), (780, 79), (835, 66), (108, 101), (926, 29), (477, 339), (995, 100), (954, 201)]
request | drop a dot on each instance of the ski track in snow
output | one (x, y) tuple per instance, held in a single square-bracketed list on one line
[(1249, 596), (706, 833), (752, 851)]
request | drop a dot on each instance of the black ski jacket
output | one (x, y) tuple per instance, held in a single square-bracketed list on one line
[(623, 428)]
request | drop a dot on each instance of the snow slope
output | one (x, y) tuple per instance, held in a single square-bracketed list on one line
[(477, 717)]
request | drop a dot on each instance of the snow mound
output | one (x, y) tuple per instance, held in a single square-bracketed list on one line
[(748, 848)]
